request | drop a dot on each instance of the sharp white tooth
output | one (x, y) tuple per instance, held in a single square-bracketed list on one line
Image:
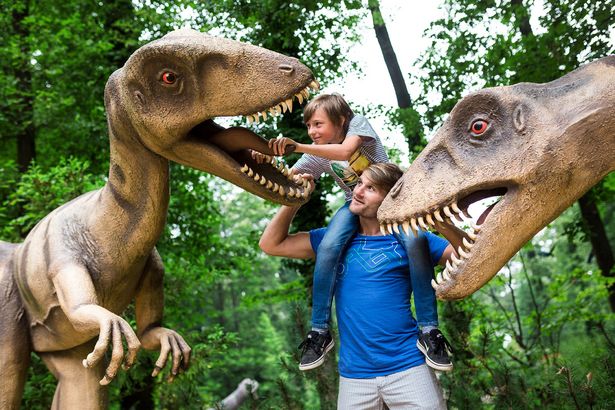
[(448, 212), (314, 85), (463, 253), (250, 119), (256, 119), (467, 243), (382, 230), (300, 98), (455, 208), (423, 224), (245, 168), (289, 104), (455, 259), (430, 220), (406, 227), (448, 265), (439, 277), (438, 216), (264, 114), (396, 227), (306, 93), (263, 180), (445, 275), (291, 192), (256, 177), (269, 184), (475, 227), (250, 172), (389, 229), (455, 264), (284, 105), (276, 187), (434, 285), (278, 109), (282, 191), (472, 236), (415, 228)]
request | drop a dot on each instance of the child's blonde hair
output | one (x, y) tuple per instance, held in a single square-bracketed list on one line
[(334, 105)]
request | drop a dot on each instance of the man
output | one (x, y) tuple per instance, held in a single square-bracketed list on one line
[(379, 359)]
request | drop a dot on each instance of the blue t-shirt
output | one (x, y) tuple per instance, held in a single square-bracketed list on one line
[(377, 331)]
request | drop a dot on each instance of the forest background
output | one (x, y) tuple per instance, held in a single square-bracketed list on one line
[(540, 334)]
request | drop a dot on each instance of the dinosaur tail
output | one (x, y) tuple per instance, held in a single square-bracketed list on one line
[(14, 334)]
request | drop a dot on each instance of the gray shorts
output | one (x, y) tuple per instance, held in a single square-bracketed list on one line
[(415, 388)]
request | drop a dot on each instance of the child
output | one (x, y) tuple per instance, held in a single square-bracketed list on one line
[(344, 144)]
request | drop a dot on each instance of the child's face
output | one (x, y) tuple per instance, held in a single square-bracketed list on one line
[(322, 131)]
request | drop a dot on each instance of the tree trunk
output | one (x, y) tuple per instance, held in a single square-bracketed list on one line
[(601, 247), (25, 138)]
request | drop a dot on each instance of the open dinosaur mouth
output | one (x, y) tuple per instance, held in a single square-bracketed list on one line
[(270, 177), (447, 213)]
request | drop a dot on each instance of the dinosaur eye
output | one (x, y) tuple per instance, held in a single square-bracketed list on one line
[(168, 77), (478, 127)]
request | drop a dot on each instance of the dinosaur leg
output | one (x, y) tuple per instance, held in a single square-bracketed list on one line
[(14, 341), (78, 387)]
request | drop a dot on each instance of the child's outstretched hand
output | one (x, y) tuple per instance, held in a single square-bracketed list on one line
[(282, 145)]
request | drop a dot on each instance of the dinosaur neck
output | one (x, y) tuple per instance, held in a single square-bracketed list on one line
[(136, 196)]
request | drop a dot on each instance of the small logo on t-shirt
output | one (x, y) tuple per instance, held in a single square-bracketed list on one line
[(349, 171)]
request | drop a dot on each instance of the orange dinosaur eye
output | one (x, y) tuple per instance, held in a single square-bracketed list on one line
[(478, 127), (169, 77)]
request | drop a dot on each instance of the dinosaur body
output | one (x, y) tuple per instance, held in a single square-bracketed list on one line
[(79, 268), (538, 146)]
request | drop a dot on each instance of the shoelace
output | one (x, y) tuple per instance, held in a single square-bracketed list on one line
[(441, 345), (309, 343)]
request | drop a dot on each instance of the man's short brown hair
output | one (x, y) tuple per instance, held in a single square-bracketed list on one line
[(334, 105), (383, 174)]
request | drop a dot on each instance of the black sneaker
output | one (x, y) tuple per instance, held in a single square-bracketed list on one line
[(315, 346), (436, 349)]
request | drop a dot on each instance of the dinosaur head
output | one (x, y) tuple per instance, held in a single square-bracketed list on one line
[(170, 90), (537, 147)]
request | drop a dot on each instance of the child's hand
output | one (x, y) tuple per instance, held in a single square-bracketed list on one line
[(282, 145), (259, 157)]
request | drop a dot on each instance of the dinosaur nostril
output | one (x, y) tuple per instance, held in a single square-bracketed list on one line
[(286, 69), (396, 189)]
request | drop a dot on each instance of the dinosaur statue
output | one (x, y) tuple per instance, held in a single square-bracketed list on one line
[(539, 147), (65, 286)]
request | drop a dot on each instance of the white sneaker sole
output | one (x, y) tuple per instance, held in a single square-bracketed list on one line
[(431, 363), (321, 360)]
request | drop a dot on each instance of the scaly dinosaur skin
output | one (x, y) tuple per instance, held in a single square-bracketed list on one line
[(64, 287), (540, 146)]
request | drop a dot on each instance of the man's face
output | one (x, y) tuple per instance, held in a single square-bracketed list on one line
[(366, 198)]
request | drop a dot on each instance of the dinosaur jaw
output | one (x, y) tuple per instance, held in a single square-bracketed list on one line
[(229, 157), (480, 257)]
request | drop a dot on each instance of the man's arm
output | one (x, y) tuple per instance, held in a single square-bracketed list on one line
[(276, 241)]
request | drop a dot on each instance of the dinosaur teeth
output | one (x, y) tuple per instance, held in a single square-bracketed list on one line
[(467, 244), (276, 187), (256, 177), (382, 229), (455, 208), (455, 259), (415, 228), (463, 253), (263, 180), (434, 284), (396, 227), (389, 229), (269, 184), (289, 104), (291, 192), (299, 98), (447, 212), (250, 172), (472, 236), (314, 85), (430, 220), (245, 168), (438, 216), (423, 224), (406, 227)]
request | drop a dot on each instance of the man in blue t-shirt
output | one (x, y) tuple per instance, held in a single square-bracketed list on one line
[(379, 360)]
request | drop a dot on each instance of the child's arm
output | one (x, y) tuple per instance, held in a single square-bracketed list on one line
[(335, 152)]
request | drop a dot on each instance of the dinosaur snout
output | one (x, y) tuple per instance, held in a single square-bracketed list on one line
[(396, 189), (286, 69)]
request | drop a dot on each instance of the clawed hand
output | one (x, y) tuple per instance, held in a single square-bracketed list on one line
[(170, 343), (112, 329)]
